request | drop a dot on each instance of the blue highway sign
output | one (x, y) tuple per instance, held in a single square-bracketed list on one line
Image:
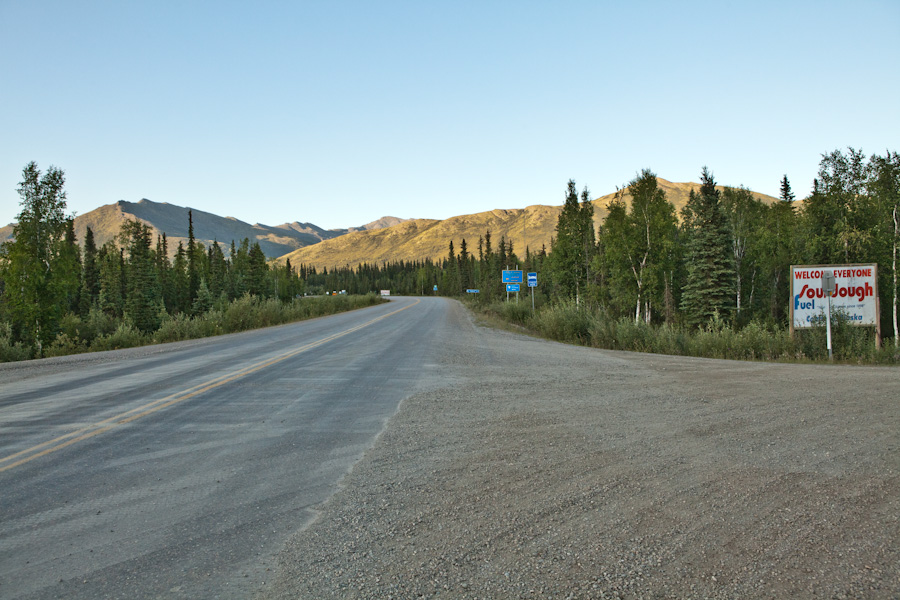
[(512, 276), (512, 287), (532, 280)]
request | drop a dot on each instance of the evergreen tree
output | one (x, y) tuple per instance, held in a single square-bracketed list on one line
[(588, 238), (572, 247), (218, 270), (786, 194), (90, 278), (164, 273), (192, 266), (143, 300), (709, 280), (69, 270), (111, 296), (204, 300), (256, 280), (239, 272), (465, 274), (450, 281), (180, 282)]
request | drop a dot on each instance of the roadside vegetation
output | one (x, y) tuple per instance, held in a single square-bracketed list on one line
[(572, 324), (99, 331), (710, 281), (714, 282), (57, 297)]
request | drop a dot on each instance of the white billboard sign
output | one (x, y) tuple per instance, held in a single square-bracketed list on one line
[(855, 294)]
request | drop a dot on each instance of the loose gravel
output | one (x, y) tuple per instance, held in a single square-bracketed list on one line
[(531, 469)]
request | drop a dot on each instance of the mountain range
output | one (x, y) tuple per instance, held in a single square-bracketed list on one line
[(387, 239), (106, 222), (418, 239)]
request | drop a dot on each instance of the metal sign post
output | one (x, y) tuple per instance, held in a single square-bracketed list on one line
[(828, 289), (532, 283)]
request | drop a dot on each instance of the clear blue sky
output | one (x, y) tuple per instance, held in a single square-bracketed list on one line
[(340, 112)]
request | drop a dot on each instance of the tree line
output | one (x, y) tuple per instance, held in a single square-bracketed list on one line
[(46, 276), (727, 258)]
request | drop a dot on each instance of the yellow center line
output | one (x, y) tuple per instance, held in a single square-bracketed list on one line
[(134, 414)]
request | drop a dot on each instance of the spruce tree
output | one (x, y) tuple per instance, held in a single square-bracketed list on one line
[(143, 300), (204, 300), (90, 275), (464, 269), (68, 269), (111, 294), (164, 273), (709, 280), (192, 266), (573, 246), (786, 194), (218, 268), (256, 280), (180, 284)]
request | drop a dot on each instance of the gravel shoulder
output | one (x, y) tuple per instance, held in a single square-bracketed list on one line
[(530, 469)]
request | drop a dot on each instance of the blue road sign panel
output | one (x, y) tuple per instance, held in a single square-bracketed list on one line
[(512, 287), (532, 280), (472, 291), (512, 276)]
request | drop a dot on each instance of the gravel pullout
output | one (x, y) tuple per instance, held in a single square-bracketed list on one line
[(530, 469)]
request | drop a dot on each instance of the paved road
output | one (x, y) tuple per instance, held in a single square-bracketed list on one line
[(179, 470)]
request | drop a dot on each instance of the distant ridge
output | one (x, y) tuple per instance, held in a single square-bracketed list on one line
[(106, 222), (421, 239), (388, 239)]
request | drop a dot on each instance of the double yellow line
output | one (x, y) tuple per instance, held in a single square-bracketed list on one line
[(95, 429)]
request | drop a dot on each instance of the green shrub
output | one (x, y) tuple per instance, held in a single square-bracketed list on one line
[(126, 335), (12, 351), (63, 345), (564, 322), (717, 339), (99, 331)]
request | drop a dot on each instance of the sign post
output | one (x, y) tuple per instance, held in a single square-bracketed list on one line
[(828, 288), (532, 283)]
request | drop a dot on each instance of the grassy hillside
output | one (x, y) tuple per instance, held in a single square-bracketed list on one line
[(424, 238)]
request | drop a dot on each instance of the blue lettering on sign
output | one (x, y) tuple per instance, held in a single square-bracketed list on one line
[(798, 305)]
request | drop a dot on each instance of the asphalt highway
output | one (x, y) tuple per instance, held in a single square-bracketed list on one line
[(179, 470)]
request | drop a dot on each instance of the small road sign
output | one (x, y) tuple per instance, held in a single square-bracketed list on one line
[(512, 276), (532, 280), (472, 291), (512, 287)]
